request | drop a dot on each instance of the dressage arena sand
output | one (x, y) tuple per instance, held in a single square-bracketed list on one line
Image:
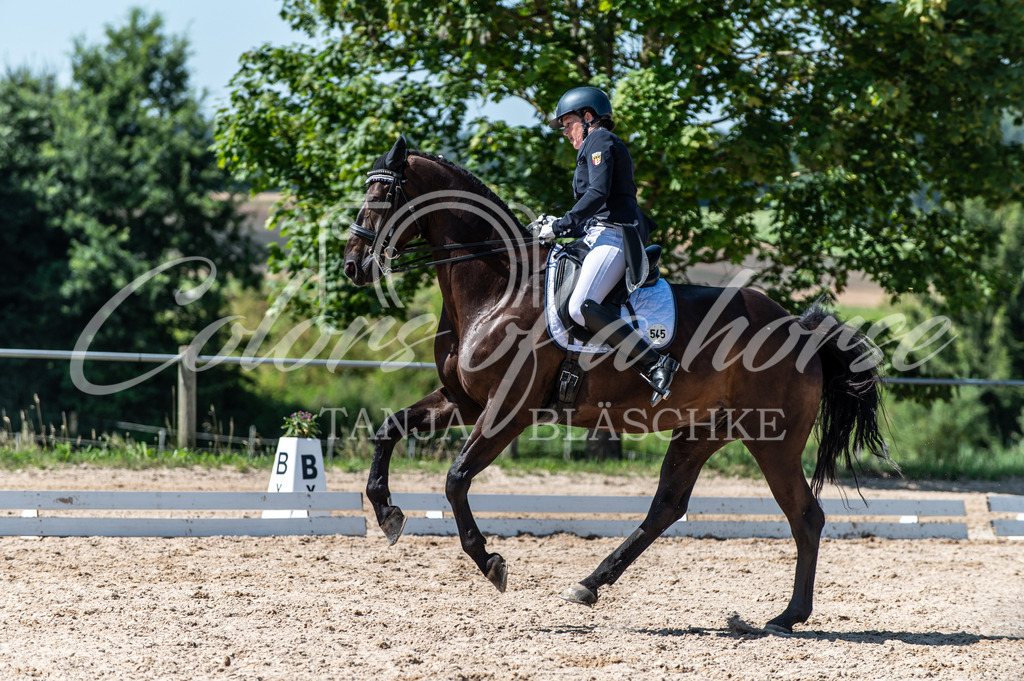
[(353, 608)]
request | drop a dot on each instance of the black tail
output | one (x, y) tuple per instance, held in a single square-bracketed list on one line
[(848, 420)]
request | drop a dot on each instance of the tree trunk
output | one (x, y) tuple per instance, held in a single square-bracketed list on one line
[(603, 445)]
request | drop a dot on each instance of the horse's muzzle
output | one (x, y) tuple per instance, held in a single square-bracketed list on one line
[(350, 269), (360, 273)]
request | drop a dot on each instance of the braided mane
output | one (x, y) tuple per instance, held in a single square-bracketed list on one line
[(472, 182)]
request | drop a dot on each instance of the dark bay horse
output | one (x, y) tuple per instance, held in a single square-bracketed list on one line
[(741, 354)]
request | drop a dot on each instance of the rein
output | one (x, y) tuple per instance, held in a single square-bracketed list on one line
[(427, 262), (384, 254)]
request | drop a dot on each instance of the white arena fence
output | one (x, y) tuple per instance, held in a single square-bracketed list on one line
[(59, 514), (31, 523), (908, 525), (1008, 504)]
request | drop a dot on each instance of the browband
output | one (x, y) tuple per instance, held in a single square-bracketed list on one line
[(382, 175)]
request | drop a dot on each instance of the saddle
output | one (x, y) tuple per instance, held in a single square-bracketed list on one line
[(653, 314), (567, 272)]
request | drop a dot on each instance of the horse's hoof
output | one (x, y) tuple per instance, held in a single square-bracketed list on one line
[(497, 572), (779, 626), (577, 593), (393, 525), (778, 629)]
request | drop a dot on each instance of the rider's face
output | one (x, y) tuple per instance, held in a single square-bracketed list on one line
[(573, 129)]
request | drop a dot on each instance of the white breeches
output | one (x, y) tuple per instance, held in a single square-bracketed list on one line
[(602, 269)]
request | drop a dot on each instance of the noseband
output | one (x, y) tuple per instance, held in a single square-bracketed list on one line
[(384, 253)]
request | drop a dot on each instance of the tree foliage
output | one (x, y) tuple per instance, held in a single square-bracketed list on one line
[(29, 274), (100, 182), (859, 126), (989, 341)]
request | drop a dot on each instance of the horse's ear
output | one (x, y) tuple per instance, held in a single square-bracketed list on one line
[(395, 160)]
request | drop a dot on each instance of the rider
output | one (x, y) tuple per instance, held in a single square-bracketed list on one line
[(605, 213)]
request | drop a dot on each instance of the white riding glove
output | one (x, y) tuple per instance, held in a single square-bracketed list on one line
[(542, 227)]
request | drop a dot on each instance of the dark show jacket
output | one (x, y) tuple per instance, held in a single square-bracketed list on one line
[(604, 186)]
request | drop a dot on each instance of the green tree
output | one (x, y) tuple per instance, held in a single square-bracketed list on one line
[(989, 341), (108, 179), (29, 271), (143, 186), (860, 126)]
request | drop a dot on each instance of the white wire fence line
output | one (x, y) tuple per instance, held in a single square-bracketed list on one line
[(160, 358), (187, 435)]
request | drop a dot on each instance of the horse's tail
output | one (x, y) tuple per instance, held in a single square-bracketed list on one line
[(848, 419)]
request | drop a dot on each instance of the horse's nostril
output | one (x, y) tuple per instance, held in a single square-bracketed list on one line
[(350, 269)]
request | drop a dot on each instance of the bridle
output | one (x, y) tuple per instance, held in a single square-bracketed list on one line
[(385, 254), (396, 181)]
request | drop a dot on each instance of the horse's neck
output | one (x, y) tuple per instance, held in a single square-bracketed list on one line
[(474, 285)]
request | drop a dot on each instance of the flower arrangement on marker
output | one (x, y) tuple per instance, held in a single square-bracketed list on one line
[(301, 424)]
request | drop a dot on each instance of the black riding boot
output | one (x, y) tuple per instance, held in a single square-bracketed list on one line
[(656, 369)]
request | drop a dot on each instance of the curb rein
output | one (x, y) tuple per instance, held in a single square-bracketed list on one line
[(384, 253)]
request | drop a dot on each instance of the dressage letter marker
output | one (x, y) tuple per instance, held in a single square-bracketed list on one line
[(298, 467)]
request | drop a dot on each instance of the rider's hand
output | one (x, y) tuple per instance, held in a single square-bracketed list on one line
[(542, 227)]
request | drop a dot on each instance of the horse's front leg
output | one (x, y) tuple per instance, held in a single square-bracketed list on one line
[(481, 449), (436, 410)]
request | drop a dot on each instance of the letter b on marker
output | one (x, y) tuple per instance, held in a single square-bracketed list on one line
[(298, 467), (308, 467)]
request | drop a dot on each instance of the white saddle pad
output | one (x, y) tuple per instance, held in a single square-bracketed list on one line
[(654, 308)]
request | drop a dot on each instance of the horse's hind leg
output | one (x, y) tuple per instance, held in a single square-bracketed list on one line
[(436, 410), (780, 463), (683, 461)]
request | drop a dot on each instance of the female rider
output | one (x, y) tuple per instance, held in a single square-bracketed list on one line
[(605, 208)]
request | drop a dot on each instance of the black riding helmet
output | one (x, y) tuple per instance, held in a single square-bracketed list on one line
[(577, 100)]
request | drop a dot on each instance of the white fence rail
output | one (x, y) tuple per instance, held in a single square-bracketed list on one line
[(32, 524), (908, 525), (758, 516), (1007, 503)]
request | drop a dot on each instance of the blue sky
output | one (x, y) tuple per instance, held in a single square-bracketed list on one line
[(39, 34)]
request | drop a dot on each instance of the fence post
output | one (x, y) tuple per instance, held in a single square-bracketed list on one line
[(187, 396)]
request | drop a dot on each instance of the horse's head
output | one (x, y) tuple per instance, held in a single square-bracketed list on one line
[(410, 195), (385, 223)]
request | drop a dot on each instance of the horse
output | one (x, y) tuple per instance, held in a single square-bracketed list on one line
[(740, 351)]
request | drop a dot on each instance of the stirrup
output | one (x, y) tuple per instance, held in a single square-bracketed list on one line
[(659, 377)]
